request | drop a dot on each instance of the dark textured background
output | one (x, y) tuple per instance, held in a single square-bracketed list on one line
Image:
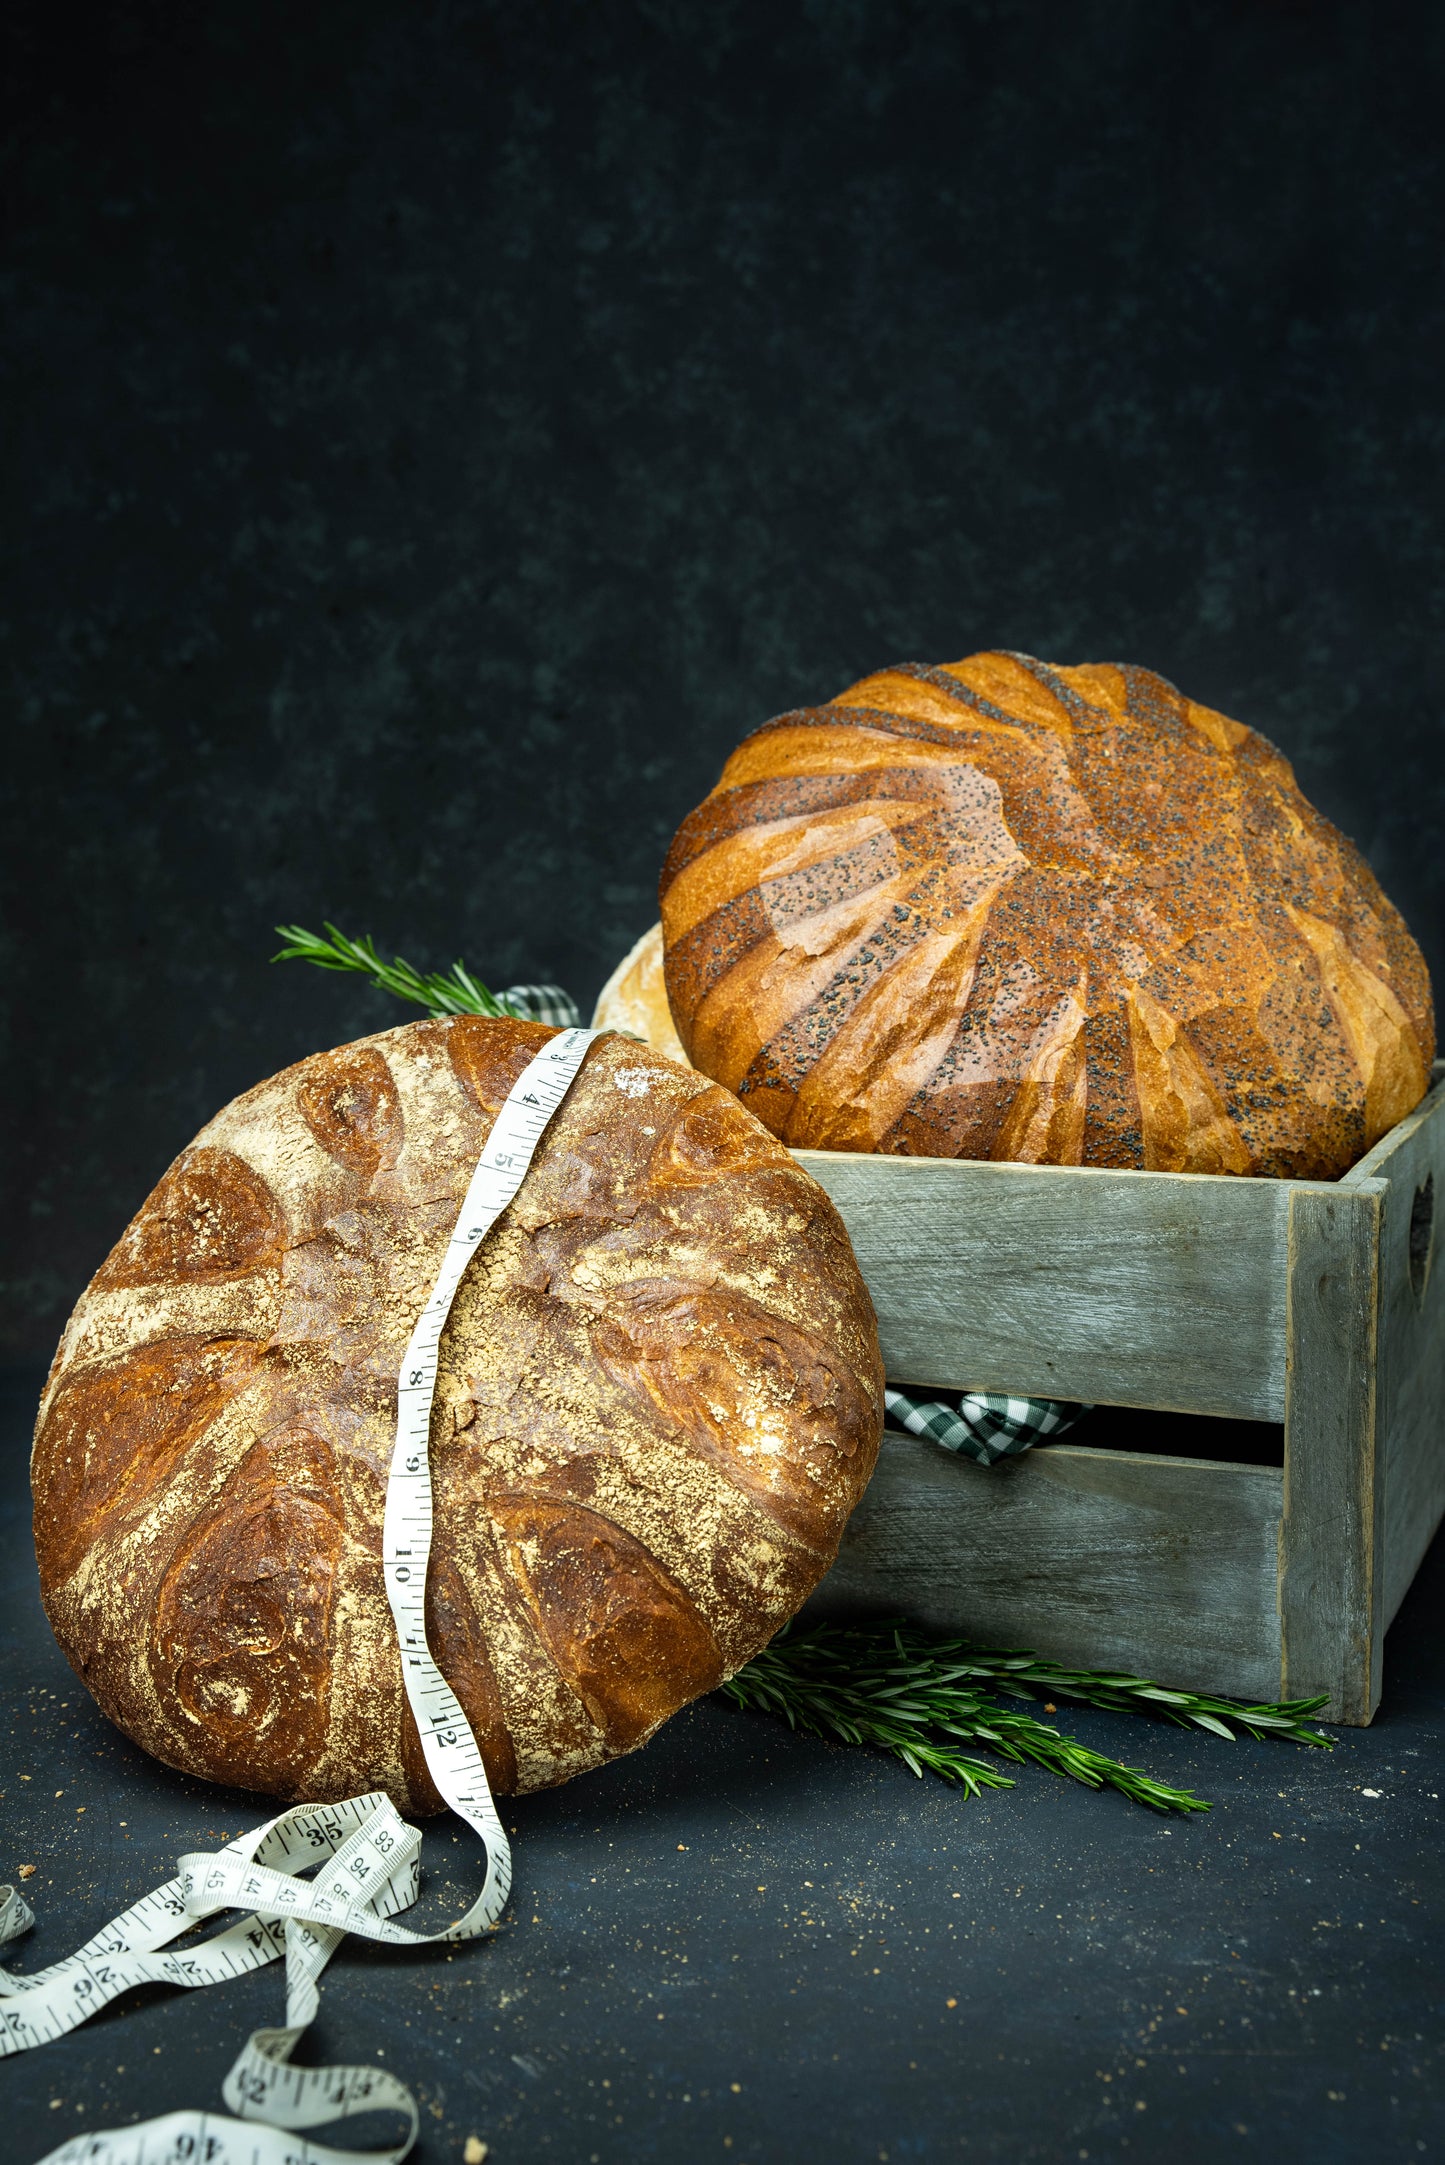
[(442, 430), (438, 432)]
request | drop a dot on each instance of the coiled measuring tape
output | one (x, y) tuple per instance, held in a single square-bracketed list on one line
[(368, 1856)]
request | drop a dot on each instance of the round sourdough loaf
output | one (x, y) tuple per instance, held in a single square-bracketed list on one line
[(1002, 910), (659, 1399)]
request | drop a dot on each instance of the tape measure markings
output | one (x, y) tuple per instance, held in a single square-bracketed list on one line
[(367, 1853)]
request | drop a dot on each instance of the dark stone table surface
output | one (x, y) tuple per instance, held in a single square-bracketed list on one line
[(743, 1946)]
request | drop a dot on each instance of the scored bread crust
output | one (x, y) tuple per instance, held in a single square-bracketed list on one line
[(659, 1397), (1067, 916)]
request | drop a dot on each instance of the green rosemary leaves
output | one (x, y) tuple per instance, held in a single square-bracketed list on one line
[(455, 993), (894, 1687)]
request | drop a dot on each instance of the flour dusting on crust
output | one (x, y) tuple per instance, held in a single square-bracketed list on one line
[(659, 1398)]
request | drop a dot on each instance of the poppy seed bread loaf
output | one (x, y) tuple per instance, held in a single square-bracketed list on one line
[(659, 1397), (1004, 910)]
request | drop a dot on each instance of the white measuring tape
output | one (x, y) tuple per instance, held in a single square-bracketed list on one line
[(367, 1854)]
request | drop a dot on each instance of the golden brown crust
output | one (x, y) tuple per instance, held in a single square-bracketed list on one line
[(1002, 910), (634, 998), (659, 1398)]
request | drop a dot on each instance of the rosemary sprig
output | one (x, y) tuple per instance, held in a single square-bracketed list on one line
[(456, 993), (893, 1687), (1014, 1673)]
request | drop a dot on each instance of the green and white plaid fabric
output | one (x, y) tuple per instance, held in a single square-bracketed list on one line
[(543, 1003), (982, 1425)]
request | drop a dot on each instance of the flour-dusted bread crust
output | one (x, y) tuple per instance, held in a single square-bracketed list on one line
[(1002, 910), (659, 1399)]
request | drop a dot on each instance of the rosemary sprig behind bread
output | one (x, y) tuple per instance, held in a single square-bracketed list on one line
[(896, 1688), (454, 992)]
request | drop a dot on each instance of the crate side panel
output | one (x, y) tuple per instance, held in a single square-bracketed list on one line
[(1411, 1350), (1130, 1289), (1331, 1587), (1106, 1559)]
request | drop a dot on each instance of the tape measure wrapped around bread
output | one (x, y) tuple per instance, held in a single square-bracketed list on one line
[(659, 1398)]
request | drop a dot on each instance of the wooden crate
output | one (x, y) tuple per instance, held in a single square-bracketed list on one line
[(1311, 1304)]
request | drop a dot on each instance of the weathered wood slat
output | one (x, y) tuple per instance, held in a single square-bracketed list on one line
[(1164, 1566), (1332, 1540), (1411, 1389), (1127, 1289)]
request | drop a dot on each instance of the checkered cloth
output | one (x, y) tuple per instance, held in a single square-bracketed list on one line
[(542, 1003), (982, 1425)]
